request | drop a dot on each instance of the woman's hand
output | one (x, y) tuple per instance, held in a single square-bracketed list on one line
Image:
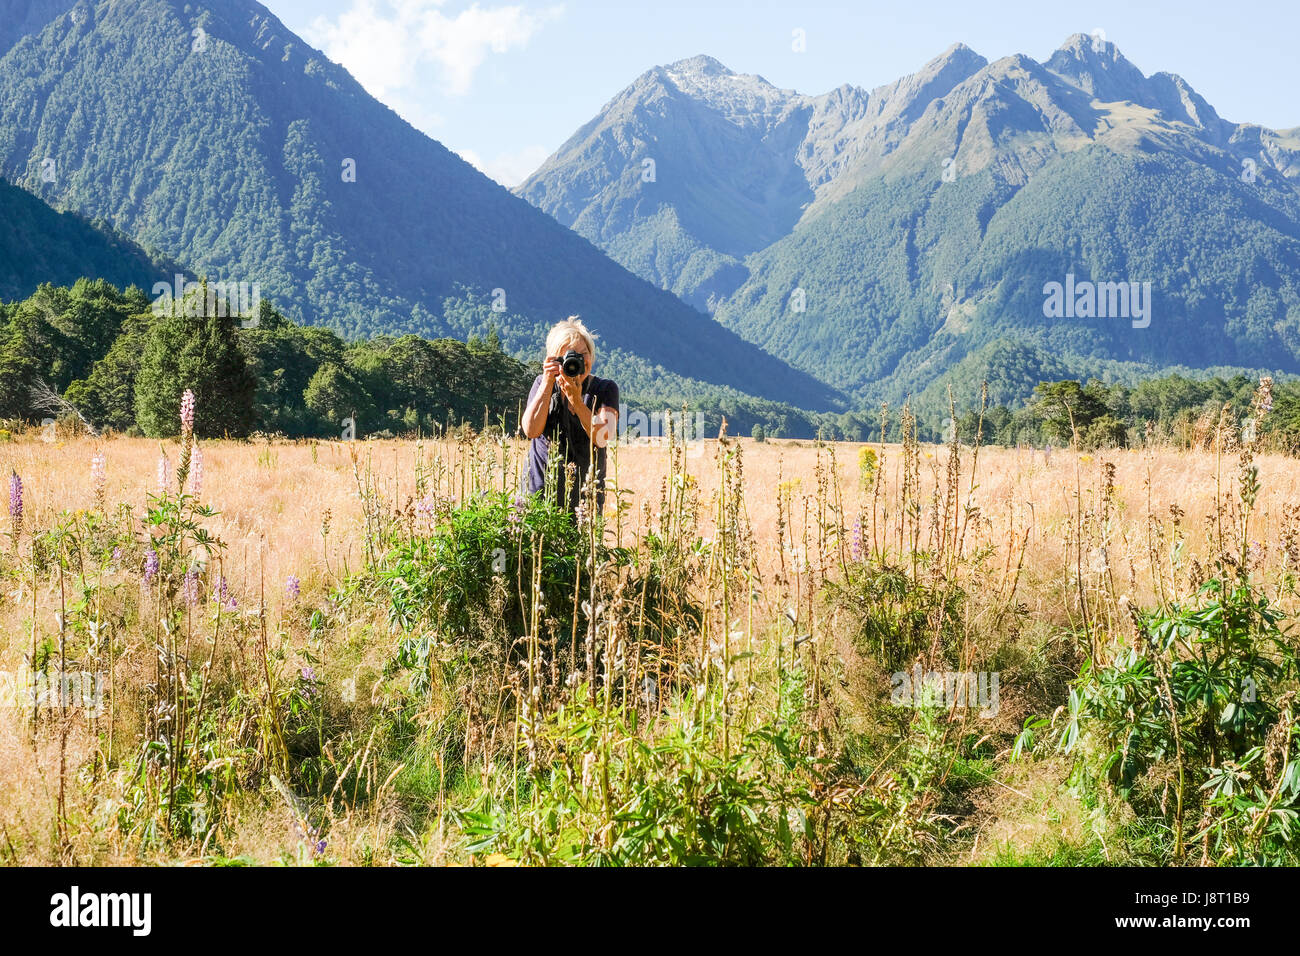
[(550, 372), (572, 390)]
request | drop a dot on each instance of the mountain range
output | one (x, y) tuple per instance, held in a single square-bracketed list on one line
[(755, 249), (880, 239), (210, 132)]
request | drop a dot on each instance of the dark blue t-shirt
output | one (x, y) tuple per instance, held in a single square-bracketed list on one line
[(572, 443)]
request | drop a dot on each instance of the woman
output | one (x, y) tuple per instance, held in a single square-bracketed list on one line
[(570, 413)]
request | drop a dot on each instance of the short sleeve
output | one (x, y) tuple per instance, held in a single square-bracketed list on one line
[(609, 394), (550, 410)]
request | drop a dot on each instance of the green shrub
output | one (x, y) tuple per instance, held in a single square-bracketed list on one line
[(1194, 725)]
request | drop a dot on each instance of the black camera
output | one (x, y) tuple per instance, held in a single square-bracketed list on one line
[(573, 364)]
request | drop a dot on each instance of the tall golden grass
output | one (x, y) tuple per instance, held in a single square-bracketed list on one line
[(1068, 539)]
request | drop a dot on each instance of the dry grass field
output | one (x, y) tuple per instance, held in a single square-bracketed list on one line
[(273, 497), (1049, 551)]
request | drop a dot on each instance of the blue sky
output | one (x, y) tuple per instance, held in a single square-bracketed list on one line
[(505, 82)]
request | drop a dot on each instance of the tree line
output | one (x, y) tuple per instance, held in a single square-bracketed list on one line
[(107, 357), (1171, 409)]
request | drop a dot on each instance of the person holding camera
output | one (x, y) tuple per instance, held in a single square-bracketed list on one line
[(572, 410)]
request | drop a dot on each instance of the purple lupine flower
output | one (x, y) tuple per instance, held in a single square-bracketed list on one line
[(16, 499), (517, 509), (309, 678), (292, 587), (222, 596), (187, 412), (150, 565), (190, 587), (164, 474), (857, 538), (320, 847), (196, 472)]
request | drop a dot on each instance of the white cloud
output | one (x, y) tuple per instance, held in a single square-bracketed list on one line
[(509, 169), (384, 43)]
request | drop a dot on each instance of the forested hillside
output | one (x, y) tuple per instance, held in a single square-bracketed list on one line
[(38, 244), (211, 132)]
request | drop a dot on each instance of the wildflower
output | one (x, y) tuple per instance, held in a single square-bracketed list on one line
[(164, 474), (190, 587), (97, 469), (866, 465), (517, 508), (16, 500), (150, 565), (1264, 395), (222, 596), (187, 413), (292, 587), (857, 538), (196, 473), (312, 836)]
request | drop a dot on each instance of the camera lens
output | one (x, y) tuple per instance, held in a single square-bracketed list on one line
[(572, 364)]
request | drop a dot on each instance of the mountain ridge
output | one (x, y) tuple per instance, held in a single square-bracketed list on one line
[(210, 131), (907, 196)]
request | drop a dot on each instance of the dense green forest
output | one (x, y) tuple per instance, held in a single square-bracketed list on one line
[(39, 244), (102, 355)]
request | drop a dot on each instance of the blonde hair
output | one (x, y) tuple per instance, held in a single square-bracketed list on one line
[(562, 333)]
